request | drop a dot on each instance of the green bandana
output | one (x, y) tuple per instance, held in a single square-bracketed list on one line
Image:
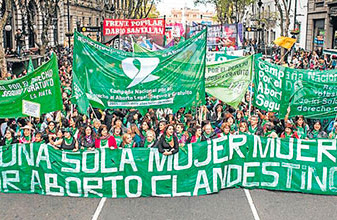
[(146, 144), (118, 140), (68, 141), (104, 142), (301, 132), (8, 141), (315, 133), (168, 139), (128, 145)]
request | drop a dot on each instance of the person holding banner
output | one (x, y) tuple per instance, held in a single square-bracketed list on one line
[(168, 142), (181, 134), (208, 133), (127, 141), (117, 133), (243, 128), (301, 127), (105, 140), (27, 136), (150, 140), (196, 138), (289, 132), (69, 142), (317, 131), (225, 128), (87, 139), (254, 128), (9, 138)]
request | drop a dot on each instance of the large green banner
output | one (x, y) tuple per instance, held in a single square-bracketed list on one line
[(311, 93), (113, 78), (37, 93), (228, 81), (307, 166)]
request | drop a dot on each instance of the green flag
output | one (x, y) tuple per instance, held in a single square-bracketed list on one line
[(41, 89), (113, 78), (30, 66), (137, 49), (79, 97), (228, 81), (311, 93)]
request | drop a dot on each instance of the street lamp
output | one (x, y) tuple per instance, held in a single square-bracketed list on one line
[(259, 29)]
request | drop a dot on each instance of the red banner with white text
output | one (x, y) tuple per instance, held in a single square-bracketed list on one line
[(133, 26)]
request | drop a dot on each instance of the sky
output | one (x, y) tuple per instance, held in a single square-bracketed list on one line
[(165, 6)]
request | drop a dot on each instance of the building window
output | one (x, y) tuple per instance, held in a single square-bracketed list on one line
[(83, 21), (319, 32), (97, 22), (89, 21), (319, 4)]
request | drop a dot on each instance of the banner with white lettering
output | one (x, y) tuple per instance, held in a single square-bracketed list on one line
[(307, 166), (151, 26)]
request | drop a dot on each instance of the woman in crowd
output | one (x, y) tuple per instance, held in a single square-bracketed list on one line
[(168, 142), (289, 132), (225, 130), (317, 131), (27, 135), (181, 134), (150, 140), (145, 126), (196, 138), (301, 127), (208, 132), (161, 128), (243, 128), (9, 138), (117, 133), (127, 141), (39, 138), (69, 142), (105, 140), (87, 139), (50, 130)]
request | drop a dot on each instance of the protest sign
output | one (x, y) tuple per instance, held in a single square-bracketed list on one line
[(41, 86), (267, 86), (308, 92), (31, 108), (113, 78), (307, 166), (228, 81), (133, 26)]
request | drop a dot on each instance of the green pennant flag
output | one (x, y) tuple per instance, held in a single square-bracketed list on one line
[(38, 92), (229, 80), (30, 68), (139, 49), (113, 78), (79, 97)]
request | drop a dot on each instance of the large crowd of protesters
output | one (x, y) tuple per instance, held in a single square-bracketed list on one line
[(161, 128)]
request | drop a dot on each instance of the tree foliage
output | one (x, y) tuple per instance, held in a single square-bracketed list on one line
[(134, 9), (226, 10)]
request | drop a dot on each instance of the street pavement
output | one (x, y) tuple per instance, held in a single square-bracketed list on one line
[(228, 204)]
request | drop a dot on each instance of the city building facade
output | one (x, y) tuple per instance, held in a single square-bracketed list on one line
[(188, 16), (267, 19), (322, 24), (29, 17)]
